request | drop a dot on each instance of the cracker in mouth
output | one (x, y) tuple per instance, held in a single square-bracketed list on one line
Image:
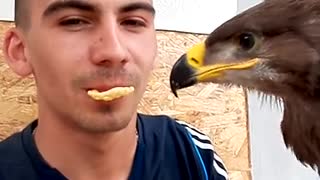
[(110, 94)]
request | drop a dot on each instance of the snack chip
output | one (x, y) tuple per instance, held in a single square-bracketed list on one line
[(110, 94)]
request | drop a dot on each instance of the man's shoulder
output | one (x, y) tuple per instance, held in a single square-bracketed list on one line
[(193, 138), (207, 154), (186, 129), (181, 127), (164, 123), (12, 150), (13, 158), (11, 144)]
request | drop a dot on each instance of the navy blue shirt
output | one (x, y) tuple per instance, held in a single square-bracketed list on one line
[(168, 149)]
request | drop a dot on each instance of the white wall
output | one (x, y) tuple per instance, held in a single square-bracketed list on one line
[(271, 161), (6, 10), (198, 16)]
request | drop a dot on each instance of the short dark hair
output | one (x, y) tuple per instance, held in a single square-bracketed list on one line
[(22, 13)]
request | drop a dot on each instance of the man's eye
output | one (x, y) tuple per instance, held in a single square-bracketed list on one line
[(73, 21), (133, 22)]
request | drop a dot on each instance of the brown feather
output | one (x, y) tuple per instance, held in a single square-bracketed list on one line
[(289, 31)]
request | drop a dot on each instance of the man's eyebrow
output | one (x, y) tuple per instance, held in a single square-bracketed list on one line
[(73, 4), (138, 6)]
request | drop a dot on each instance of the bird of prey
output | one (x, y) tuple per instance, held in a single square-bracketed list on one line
[(272, 48)]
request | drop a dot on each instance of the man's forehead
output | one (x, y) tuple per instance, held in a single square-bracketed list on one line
[(98, 2), (49, 6)]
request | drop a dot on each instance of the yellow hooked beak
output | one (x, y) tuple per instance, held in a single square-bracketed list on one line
[(190, 69)]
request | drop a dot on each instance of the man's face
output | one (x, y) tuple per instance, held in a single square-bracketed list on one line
[(77, 45)]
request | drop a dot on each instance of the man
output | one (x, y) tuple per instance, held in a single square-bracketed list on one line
[(70, 47)]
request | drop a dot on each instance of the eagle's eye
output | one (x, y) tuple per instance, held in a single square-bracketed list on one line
[(246, 41)]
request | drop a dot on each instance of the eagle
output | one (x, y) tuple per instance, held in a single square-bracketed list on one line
[(272, 48)]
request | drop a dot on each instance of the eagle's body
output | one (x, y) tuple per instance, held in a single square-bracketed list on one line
[(283, 36)]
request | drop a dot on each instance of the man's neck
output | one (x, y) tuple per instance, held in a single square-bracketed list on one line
[(83, 156)]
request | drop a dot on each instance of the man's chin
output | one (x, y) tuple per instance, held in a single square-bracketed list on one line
[(103, 128), (93, 116), (109, 119)]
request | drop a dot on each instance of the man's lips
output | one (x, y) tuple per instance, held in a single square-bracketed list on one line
[(105, 87)]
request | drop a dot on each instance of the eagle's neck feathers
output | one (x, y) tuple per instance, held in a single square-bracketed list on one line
[(301, 129)]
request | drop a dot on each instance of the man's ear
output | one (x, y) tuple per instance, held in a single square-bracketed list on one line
[(15, 54)]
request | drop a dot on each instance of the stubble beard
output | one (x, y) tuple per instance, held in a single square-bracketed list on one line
[(103, 121), (105, 118)]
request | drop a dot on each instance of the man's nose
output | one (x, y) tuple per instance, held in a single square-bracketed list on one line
[(109, 48)]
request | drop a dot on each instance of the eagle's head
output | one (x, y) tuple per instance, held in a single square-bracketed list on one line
[(272, 47)]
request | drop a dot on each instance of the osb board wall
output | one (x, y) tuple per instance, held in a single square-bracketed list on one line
[(218, 111)]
